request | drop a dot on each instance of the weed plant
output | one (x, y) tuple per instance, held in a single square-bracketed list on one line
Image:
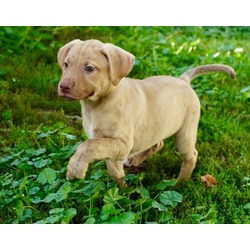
[(39, 131)]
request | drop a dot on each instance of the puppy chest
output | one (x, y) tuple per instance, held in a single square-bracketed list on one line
[(102, 131)]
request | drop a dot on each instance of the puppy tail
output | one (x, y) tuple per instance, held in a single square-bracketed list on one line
[(189, 75)]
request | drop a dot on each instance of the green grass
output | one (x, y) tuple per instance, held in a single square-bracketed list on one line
[(38, 133)]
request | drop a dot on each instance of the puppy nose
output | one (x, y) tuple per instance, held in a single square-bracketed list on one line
[(66, 86)]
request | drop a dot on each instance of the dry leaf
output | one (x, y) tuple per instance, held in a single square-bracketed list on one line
[(209, 180)]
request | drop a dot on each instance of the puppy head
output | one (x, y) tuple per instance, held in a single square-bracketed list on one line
[(90, 69)]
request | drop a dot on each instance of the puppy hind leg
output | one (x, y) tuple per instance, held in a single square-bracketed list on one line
[(186, 146), (188, 165), (137, 159), (116, 171)]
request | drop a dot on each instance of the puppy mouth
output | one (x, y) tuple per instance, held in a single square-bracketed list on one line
[(71, 97), (90, 94), (67, 97)]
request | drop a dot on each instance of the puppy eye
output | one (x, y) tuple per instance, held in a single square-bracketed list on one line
[(89, 68), (66, 64)]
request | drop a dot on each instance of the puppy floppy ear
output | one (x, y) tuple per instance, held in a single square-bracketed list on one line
[(120, 62), (63, 51)]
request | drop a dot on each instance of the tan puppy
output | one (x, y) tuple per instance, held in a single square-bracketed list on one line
[(125, 119)]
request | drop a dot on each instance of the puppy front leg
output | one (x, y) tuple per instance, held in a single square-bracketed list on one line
[(94, 149)]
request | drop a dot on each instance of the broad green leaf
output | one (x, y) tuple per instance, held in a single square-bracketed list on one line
[(126, 218), (25, 166), (5, 159), (40, 222), (143, 192), (42, 178), (50, 197), (56, 210), (97, 175), (166, 183), (92, 188), (33, 152), (35, 199), (52, 219), (68, 136), (98, 186), (197, 216), (159, 206), (107, 210), (68, 150), (6, 179), (166, 216), (33, 190), (41, 163), (48, 133), (62, 193), (65, 188), (17, 183), (247, 206), (48, 175), (27, 213), (170, 198), (16, 162), (112, 196), (90, 221), (68, 215)]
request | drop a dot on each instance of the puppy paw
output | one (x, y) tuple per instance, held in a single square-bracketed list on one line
[(182, 177), (76, 171), (70, 175), (136, 160)]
